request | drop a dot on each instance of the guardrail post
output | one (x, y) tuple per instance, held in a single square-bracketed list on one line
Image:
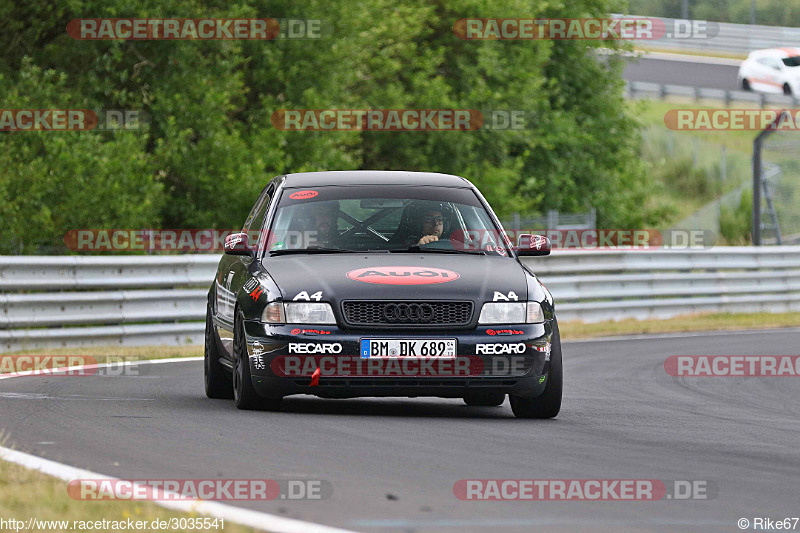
[(756, 228), (552, 219), (757, 177)]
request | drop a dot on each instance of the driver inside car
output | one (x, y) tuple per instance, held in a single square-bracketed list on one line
[(427, 222), (432, 227)]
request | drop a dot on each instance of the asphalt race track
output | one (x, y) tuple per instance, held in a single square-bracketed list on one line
[(392, 463), (689, 73)]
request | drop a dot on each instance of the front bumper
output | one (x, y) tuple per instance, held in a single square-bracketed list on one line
[(511, 359)]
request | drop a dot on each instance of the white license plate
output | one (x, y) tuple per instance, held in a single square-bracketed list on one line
[(408, 348)]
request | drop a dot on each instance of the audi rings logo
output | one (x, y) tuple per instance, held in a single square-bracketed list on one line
[(417, 313)]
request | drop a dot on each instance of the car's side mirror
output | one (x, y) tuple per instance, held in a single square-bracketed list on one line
[(528, 244), (238, 244)]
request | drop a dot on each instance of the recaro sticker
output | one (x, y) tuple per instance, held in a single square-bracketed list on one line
[(403, 275)]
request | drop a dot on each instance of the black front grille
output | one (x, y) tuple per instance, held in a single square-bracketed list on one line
[(371, 313)]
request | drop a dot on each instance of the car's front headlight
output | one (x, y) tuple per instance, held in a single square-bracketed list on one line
[(298, 313), (511, 313), (309, 313)]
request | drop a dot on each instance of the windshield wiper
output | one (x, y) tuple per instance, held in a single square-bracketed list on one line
[(313, 249), (418, 248)]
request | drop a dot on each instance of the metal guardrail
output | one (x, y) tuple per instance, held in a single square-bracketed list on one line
[(613, 285), (659, 90), (731, 38), (70, 301), (553, 220)]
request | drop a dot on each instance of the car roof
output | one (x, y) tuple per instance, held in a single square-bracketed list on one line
[(780, 52), (374, 177)]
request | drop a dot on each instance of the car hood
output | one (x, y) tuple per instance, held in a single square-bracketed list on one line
[(397, 276)]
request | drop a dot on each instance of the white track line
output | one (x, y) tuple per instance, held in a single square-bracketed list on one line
[(245, 517), (48, 371)]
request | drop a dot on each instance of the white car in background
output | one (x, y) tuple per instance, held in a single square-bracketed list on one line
[(774, 70)]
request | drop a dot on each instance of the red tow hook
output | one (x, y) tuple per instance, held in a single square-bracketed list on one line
[(315, 378)]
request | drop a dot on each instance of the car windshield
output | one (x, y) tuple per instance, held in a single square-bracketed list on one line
[(792, 61), (383, 219)]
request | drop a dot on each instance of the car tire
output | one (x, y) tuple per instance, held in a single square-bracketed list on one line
[(485, 399), (787, 90), (547, 404), (217, 381), (244, 394), (746, 85)]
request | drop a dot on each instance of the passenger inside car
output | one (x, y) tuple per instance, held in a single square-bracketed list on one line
[(316, 224)]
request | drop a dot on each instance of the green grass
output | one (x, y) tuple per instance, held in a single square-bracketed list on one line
[(687, 165), (691, 168), (679, 324), (703, 53), (137, 352), (651, 114), (26, 494)]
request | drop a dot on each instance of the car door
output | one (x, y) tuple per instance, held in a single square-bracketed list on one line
[(769, 74), (233, 271)]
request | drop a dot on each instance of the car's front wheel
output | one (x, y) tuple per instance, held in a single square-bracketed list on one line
[(244, 394), (787, 90), (217, 381), (547, 404), (485, 399), (746, 84)]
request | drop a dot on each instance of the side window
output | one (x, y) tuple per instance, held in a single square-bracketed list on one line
[(770, 62), (260, 222), (256, 216)]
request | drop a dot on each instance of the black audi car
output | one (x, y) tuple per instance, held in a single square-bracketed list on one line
[(380, 283)]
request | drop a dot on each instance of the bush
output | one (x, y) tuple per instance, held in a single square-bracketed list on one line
[(735, 223)]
